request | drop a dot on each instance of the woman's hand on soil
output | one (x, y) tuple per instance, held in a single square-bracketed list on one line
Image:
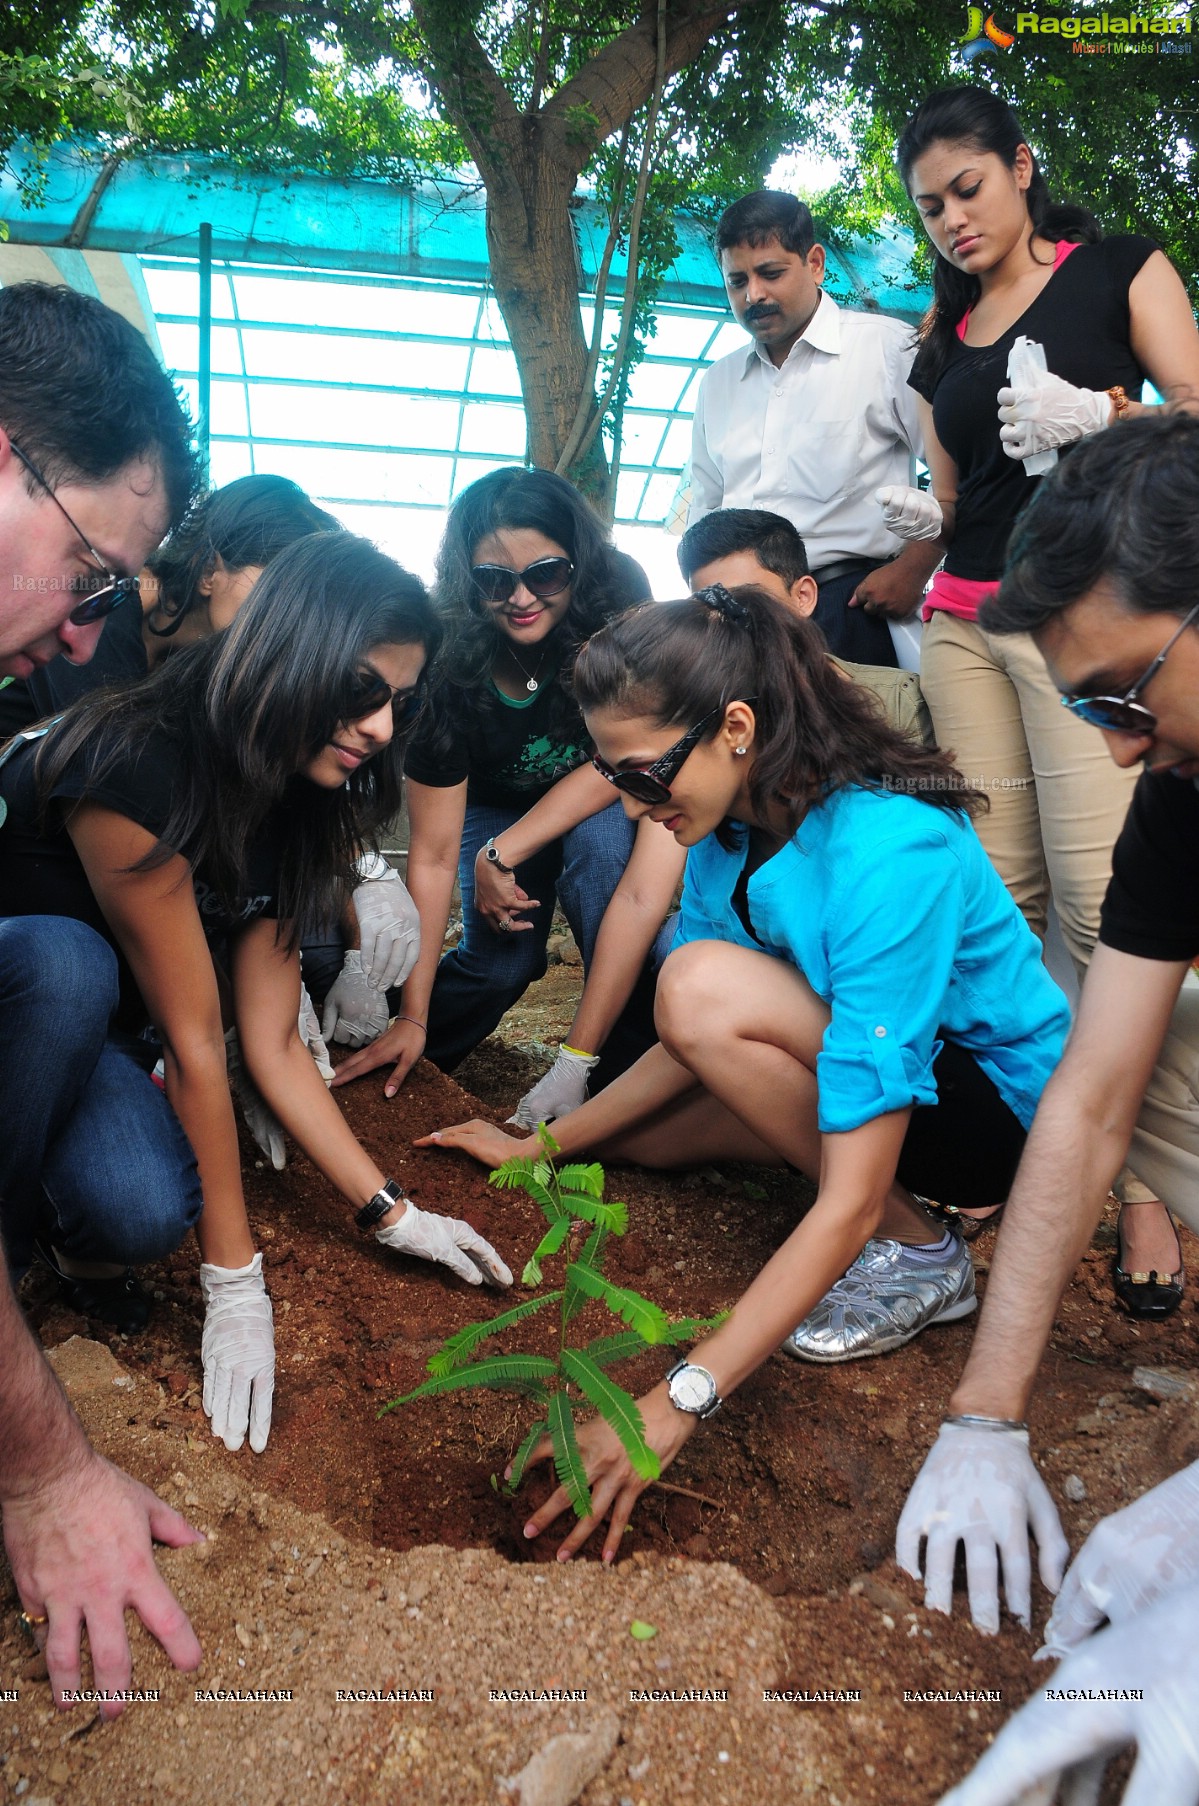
[(237, 1351), (499, 898), (449, 1242), (401, 1047), (481, 1140), (615, 1487)]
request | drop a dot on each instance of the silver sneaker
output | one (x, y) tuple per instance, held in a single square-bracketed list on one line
[(884, 1300)]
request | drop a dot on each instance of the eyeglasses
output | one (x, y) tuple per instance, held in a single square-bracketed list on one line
[(114, 589), (651, 783), (1124, 714), (543, 578), (366, 693)]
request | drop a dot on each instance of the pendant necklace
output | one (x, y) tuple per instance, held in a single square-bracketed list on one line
[(531, 680)]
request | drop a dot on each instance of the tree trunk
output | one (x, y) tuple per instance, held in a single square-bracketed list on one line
[(536, 276)]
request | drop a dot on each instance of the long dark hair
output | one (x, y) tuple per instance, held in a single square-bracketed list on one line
[(249, 521), (605, 582), (676, 662), (247, 708), (975, 116)]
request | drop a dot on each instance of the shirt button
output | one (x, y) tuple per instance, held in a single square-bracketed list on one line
[(778, 391), (881, 1033)]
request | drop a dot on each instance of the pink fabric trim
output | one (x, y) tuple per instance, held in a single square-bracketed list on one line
[(1064, 248), (959, 596)]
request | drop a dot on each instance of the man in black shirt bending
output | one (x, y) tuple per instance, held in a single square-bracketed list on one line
[(1103, 571), (95, 467)]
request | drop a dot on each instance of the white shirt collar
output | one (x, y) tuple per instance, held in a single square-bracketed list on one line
[(822, 333)]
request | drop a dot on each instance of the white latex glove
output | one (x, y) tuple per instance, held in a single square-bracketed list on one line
[(450, 1242), (1153, 1660), (355, 1010), (980, 1488), (238, 1352), (388, 930), (1130, 1560), (310, 1035), (1051, 414), (262, 1123), (562, 1089), (910, 513)]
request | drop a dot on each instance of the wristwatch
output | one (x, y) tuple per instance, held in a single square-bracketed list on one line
[(389, 1193), (373, 866), (693, 1389), (492, 857)]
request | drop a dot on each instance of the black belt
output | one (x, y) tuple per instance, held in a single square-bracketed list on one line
[(843, 567)]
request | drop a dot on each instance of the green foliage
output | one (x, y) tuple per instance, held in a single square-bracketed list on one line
[(576, 1376)]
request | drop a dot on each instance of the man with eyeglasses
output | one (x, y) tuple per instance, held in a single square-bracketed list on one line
[(1103, 570), (96, 466)]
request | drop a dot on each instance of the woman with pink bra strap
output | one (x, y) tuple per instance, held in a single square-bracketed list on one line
[(1109, 314)]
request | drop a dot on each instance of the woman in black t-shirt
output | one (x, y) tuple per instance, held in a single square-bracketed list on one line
[(232, 791), (500, 785), (1109, 313)]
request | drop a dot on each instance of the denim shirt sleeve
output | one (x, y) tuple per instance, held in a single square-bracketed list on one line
[(893, 928)]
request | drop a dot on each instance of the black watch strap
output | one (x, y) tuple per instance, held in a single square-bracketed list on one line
[(389, 1193), (491, 854)]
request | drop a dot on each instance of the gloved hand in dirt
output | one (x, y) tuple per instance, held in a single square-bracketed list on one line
[(447, 1241), (1130, 1560), (979, 1487), (1151, 1665), (355, 1011), (562, 1089), (1055, 412), (238, 1353), (388, 929), (910, 513)]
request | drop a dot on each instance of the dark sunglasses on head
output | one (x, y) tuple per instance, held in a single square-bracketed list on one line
[(651, 783), (367, 692), (1124, 714), (113, 590), (543, 578)]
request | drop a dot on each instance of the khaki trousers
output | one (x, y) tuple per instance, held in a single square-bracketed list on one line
[(1057, 805)]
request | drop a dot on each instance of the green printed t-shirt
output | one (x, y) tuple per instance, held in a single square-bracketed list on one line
[(506, 751)]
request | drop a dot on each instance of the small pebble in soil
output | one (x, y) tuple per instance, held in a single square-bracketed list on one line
[(1074, 1488)]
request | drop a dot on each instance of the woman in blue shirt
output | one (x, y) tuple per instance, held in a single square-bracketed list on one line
[(851, 992)]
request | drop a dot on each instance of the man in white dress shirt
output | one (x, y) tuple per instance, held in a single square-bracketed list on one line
[(810, 421)]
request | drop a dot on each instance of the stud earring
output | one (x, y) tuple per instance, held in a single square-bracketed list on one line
[(739, 751)]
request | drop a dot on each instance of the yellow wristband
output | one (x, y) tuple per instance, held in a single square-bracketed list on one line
[(578, 1051)]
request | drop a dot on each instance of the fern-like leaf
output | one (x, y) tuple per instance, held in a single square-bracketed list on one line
[(591, 1257), (547, 1141), (513, 1173), (617, 1408), (508, 1373), (568, 1459), (458, 1347), (620, 1347), (552, 1240), (583, 1178), (521, 1458), (648, 1319), (614, 1217)]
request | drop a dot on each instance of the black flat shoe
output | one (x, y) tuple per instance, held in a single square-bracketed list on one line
[(1151, 1296), (120, 1300)]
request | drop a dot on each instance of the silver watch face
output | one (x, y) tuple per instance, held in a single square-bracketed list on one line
[(692, 1389)]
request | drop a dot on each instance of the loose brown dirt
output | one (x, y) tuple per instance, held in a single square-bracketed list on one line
[(764, 1562)]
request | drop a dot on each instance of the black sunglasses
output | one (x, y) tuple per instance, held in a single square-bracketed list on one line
[(651, 783), (1124, 714), (543, 578), (114, 590), (366, 693)]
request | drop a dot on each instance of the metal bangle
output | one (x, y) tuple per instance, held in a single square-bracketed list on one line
[(973, 1420)]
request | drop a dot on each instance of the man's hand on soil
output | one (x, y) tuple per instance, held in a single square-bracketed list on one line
[(979, 1487), (81, 1550)]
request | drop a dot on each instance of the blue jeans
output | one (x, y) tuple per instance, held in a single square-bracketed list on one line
[(92, 1158), (487, 972)]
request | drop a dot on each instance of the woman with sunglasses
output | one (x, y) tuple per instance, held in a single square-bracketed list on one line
[(192, 820), (892, 1054), (500, 788), (1108, 313)]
